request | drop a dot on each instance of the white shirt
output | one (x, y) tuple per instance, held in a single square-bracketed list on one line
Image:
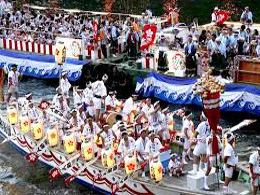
[(174, 164), (255, 161), (153, 147), (214, 17), (78, 123), (186, 125), (33, 114), (13, 79), (246, 16), (221, 48), (212, 45), (203, 130), (88, 95), (107, 137), (99, 89), (23, 103), (230, 152), (65, 86), (140, 146), (258, 50), (129, 106), (109, 101), (125, 148), (87, 131)]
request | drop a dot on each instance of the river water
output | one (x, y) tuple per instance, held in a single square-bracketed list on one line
[(18, 177)]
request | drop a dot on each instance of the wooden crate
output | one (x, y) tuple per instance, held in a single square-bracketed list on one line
[(249, 72)]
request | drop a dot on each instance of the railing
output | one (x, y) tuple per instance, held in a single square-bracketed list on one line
[(26, 46)]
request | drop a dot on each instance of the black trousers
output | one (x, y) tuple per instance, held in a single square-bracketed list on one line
[(104, 50), (191, 65)]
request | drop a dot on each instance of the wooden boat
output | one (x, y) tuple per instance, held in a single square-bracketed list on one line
[(113, 182)]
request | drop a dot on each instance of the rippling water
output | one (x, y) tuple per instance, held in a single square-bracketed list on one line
[(18, 177)]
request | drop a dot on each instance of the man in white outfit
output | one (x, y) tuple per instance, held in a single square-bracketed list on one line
[(254, 162), (100, 93), (230, 161), (186, 135), (13, 81), (201, 133), (65, 85)]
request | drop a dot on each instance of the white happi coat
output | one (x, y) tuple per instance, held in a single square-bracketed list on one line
[(65, 86), (99, 92)]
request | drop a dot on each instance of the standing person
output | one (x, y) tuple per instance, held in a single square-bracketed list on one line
[(214, 15), (254, 168), (13, 81), (114, 34), (190, 51), (132, 43), (103, 39), (65, 85), (247, 16), (99, 92), (213, 160), (186, 134), (202, 132), (230, 161)]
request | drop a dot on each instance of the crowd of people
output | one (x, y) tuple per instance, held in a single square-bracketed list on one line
[(142, 127), (216, 46)]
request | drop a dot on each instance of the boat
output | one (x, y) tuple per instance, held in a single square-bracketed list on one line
[(91, 173)]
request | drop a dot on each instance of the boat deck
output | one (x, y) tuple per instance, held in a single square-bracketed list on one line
[(173, 184)]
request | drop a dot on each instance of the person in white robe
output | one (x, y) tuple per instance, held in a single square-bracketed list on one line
[(99, 93), (140, 147)]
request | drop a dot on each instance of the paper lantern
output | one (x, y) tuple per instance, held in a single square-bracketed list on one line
[(12, 115), (37, 130), (107, 158), (60, 53), (87, 150), (25, 123), (156, 170), (130, 164), (52, 136), (70, 143)]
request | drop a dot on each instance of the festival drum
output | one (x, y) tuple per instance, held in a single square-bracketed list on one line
[(156, 170), (70, 143), (107, 158), (25, 123), (87, 150), (111, 118), (12, 115), (52, 137), (130, 163), (37, 130)]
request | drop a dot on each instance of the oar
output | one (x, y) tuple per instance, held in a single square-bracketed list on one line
[(37, 150), (244, 123), (82, 169), (57, 172)]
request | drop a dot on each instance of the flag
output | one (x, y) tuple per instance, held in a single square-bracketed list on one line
[(95, 31), (222, 16), (212, 111), (149, 35)]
